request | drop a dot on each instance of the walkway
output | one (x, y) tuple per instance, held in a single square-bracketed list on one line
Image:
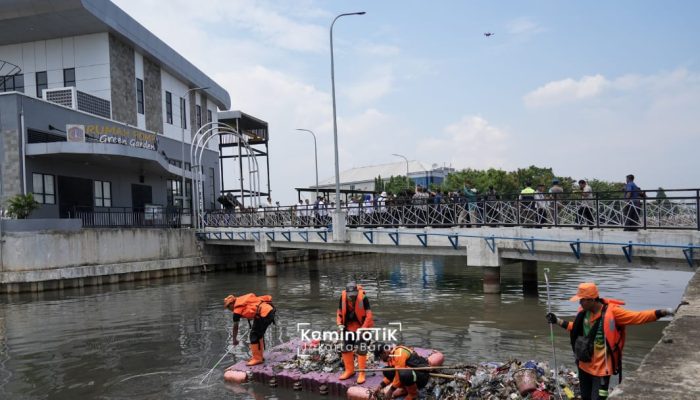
[(672, 368)]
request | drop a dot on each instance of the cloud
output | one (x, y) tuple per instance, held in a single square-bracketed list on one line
[(523, 26), (471, 142), (381, 50), (268, 23), (375, 85), (566, 90)]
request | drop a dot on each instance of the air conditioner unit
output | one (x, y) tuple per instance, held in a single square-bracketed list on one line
[(72, 98)]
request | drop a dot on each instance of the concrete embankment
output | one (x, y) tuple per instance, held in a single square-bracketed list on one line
[(672, 369), (37, 260), (44, 260)]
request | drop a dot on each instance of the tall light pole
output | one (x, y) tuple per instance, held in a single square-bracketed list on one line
[(182, 145), (408, 180), (335, 122), (315, 156)]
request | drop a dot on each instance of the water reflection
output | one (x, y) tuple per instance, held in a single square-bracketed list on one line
[(160, 339)]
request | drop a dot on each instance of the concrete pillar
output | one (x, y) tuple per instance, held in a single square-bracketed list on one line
[(313, 254), (529, 277), (492, 280), (270, 264)]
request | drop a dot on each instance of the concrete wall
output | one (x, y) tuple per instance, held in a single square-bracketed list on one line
[(97, 256), (176, 88), (34, 225), (10, 172), (94, 247), (88, 54), (153, 96), (122, 81)]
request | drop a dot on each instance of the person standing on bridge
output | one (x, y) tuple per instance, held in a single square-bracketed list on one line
[(260, 310), (598, 337), (353, 315)]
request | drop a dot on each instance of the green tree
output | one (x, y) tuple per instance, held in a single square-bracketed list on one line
[(21, 205), (378, 184), (396, 184)]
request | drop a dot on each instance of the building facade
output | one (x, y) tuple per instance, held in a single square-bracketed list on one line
[(362, 178), (96, 112)]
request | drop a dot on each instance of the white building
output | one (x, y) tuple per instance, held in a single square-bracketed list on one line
[(95, 107), (362, 178)]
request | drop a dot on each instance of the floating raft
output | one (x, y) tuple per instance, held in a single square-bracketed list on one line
[(269, 373)]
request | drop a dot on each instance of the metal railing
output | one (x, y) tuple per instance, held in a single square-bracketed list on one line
[(125, 217), (676, 209)]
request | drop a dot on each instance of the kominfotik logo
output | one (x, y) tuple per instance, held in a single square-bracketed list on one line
[(336, 338)]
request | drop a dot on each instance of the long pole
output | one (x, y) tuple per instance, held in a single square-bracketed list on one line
[(335, 122), (408, 180), (182, 144), (551, 335), (315, 156)]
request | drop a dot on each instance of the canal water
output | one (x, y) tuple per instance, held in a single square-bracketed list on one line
[(159, 339)]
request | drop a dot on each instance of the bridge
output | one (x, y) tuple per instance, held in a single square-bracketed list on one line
[(660, 233), (650, 232)]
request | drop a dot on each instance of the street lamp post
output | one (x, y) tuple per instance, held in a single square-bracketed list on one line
[(408, 180), (335, 121), (338, 220), (315, 156), (182, 144)]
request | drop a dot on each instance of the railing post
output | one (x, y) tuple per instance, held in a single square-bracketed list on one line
[(644, 209), (597, 213), (697, 208)]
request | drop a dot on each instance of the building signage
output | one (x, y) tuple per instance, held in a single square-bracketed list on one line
[(75, 133), (115, 135)]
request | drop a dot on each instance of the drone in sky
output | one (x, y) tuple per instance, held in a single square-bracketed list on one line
[(487, 34)]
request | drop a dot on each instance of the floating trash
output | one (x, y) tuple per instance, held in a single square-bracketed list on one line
[(512, 380)]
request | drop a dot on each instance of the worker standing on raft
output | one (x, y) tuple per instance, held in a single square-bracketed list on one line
[(598, 336), (399, 374), (260, 310), (354, 314)]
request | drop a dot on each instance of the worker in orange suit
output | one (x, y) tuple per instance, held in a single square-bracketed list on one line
[(261, 312), (598, 337), (354, 315), (399, 372)]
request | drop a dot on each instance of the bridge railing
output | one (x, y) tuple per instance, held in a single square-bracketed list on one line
[(673, 209)]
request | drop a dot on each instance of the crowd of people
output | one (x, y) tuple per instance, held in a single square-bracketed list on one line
[(535, 206)]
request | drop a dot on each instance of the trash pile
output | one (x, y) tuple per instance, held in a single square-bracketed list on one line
[(317, 356), (511, 380)]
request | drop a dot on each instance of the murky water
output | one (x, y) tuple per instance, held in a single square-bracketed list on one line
[(159, 339)]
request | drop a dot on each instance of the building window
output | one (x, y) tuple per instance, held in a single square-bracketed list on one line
[(213, 188), (139, 95), (12, 83), (44, 190), (169, 107), (198, 115), (42, 83), (103, 194), (183, 113), (174, 192), (69, 77), (209, 117)]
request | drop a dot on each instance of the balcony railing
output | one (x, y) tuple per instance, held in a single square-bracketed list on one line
[(125, 217)]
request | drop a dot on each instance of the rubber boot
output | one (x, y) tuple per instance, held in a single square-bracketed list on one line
[(349, 363), (412, 392), (361, 364), (257, 354)]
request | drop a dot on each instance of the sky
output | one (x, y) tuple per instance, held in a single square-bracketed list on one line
[(591, 89)]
